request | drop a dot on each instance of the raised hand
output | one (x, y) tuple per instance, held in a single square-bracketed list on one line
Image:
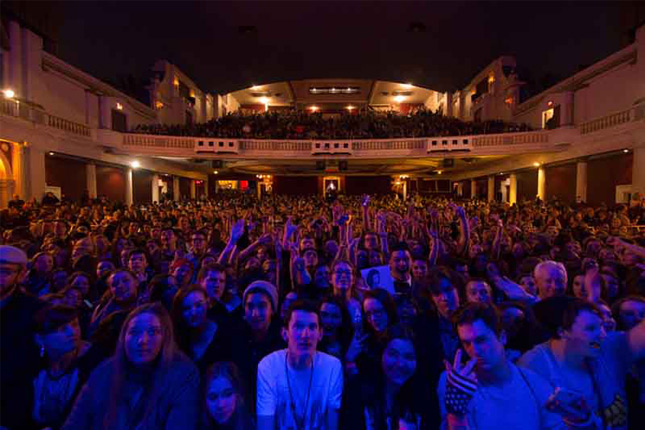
[(461, 384), (238, 230), (571, 406)]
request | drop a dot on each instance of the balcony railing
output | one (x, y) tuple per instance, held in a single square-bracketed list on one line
[(612, 120), (37, 115)]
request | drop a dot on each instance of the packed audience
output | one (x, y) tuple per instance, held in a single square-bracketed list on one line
[(305, 125), (239, 313)]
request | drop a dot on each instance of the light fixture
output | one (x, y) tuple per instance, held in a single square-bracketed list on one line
[(51, 153), (313, 108), (625, 151), (350, 107), (549, 103), (215, 172), (407, 85), (8, 93), (536, 164), (158, 104), (399, 99), (119, 106), (135, 164), (264, 100), (439, 172), (255, 88)]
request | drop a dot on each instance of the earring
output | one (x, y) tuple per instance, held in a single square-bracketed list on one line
[(42, 351)]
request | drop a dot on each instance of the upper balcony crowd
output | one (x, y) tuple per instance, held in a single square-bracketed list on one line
[(305, 125)]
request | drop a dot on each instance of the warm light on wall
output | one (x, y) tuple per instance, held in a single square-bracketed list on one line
[(350, 107), (313, 108), (175, 81), (215, 172), (439, 172), (119, 106), (509, 100), (264, 100), (549, 103), (399, 99), (9, 94), (407, 86), (159, 105), (135, 164), (536, 164)]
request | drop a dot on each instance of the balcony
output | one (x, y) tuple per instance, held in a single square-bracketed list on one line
[(212, 147)]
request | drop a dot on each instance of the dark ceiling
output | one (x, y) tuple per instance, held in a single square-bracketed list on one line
[(226, 46)]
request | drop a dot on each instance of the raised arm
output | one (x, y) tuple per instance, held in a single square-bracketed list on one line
[(236, 233)]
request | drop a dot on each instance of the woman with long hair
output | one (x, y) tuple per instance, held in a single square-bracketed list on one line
[(200, 338), (398, 396), (224, 406), (147, 384), (337, 327)]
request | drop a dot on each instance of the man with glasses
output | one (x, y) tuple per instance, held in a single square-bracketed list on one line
[(18, 351)]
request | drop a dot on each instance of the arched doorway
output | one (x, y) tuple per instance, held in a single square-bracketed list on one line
[(6, 178)]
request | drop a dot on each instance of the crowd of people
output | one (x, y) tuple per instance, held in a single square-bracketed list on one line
[(316, 125), (241, 313)]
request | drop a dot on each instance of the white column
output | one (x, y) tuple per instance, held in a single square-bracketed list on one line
[(155, 188), (193, 191), (491, 188), (473, 188), (512, 192), (581, 181), (541, 185), (35, 172), (638, 172), (129, 193), (175, 189), (20, 170), (90, 171)]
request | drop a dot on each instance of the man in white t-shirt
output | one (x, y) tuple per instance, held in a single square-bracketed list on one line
[(299, 388)]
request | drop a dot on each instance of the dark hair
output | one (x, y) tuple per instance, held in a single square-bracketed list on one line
[(401, 332), (241, 419), (346, 326), (439, 273), (52, 317), (136, 251), (401, 246), (176, 313), (216, 267), (301, 305), (472, 312), (575, 308), (384, 298)]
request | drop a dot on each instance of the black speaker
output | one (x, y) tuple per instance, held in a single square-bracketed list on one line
[(342, 165), (448, 162), (218, 164), (320, 165)]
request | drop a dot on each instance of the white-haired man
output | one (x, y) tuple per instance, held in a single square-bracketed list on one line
[(551, 279)]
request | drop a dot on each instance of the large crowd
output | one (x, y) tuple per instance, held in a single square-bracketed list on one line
[(308, 313), (307, 125)]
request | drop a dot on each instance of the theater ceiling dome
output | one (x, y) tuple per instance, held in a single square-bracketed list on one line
[(340, 93)]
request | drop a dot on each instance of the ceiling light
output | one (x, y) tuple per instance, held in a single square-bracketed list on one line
[(350, 107), (536, 164), (399, 99), (215, 172), (9, 93), (625, 151), (439, 172), (51, 153), (264, 100), (135, 164)]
